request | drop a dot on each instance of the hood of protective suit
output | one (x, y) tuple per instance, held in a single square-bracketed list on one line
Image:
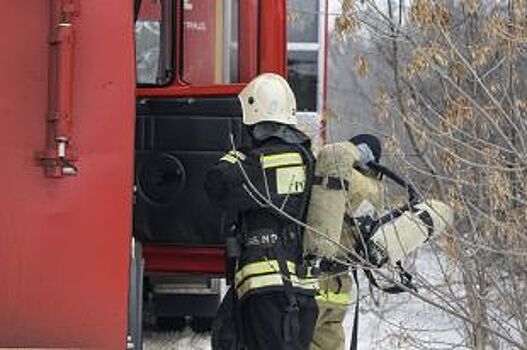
[(288, 134)]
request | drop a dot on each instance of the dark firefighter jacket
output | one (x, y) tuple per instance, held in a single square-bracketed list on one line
[(266, 185)]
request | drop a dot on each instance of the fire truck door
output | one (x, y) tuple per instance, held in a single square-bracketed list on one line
[(65, 241)]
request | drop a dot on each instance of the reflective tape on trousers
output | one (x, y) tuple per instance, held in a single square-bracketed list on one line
[(336, 298)]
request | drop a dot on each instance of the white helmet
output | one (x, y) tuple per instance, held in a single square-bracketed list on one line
[(268, 98)]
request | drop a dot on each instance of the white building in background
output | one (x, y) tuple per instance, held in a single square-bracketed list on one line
[(307, 52)]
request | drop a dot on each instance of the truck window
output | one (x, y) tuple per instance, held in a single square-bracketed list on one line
[(210, 42), (153, 40)]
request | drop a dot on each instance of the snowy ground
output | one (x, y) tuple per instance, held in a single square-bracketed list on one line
[(377, 331), (398, 322), (176, 340)]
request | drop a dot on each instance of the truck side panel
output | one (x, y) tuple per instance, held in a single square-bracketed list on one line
[(64, 243)]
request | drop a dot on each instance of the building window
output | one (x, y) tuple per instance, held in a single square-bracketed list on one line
[(303, 21), (303, 77), (305, 52)]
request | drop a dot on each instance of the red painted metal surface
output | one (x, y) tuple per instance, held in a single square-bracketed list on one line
[(150, 11), (248, 39), (64, 249), (59, 156), (273, 41), (201, 260), (199, 43), (191, 91)]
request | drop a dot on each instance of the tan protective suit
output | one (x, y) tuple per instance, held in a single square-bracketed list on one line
[(334, 295), (340, 189)]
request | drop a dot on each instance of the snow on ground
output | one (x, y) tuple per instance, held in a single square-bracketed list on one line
[(398, 322), (184, 340), (424, 323), (403, 321)]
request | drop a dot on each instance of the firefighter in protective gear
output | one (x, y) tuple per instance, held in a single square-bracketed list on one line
[(363, 191), (347, 197), (266, 185)]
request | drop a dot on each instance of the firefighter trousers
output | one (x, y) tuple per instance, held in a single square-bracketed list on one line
[(332, 300), (262, 316)]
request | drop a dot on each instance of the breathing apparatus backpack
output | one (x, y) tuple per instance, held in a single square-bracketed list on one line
[(389, 238), (327, 206)]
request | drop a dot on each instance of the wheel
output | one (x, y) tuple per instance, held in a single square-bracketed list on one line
[(201, 324)]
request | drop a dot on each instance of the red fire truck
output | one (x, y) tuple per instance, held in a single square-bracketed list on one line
[(111, 112)]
